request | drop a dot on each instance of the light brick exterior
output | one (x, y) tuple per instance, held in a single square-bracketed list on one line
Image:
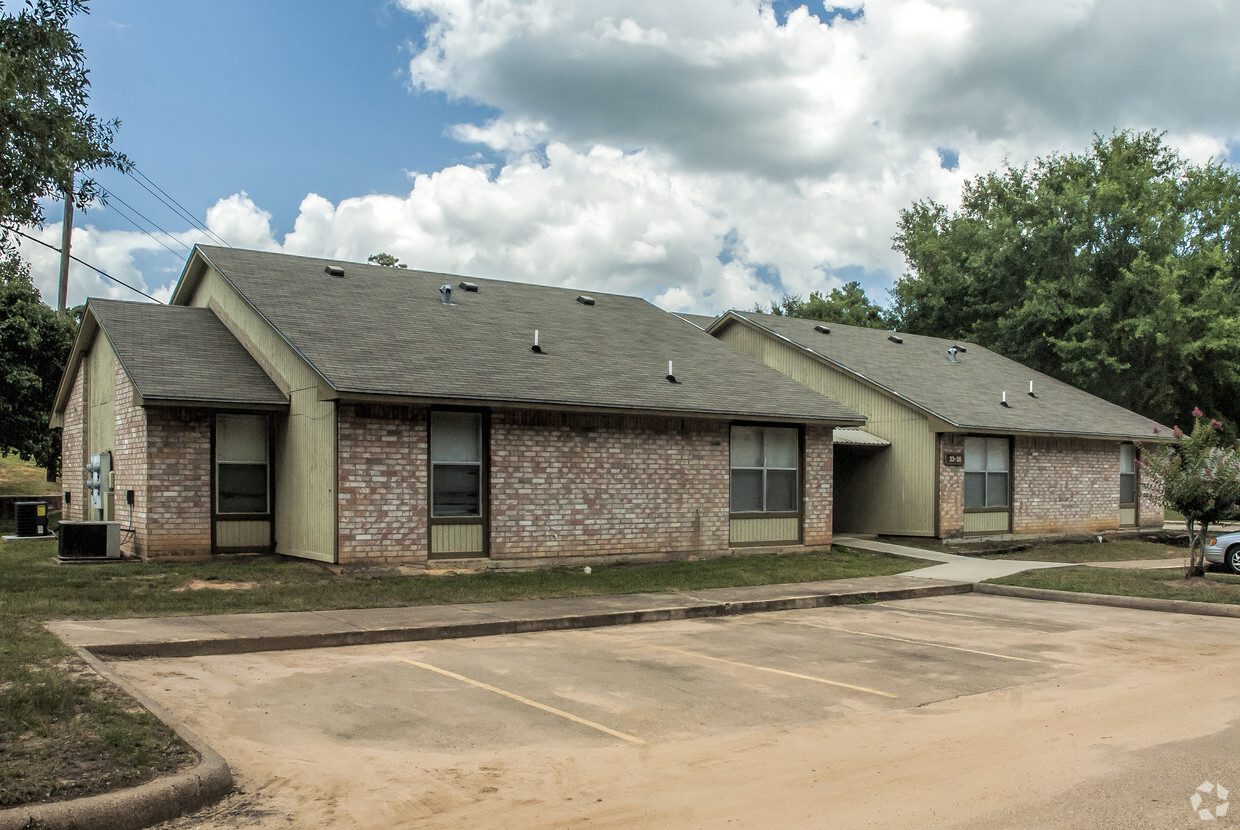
[(951, 488), (178, 483), (163, 455), (73, 451), (1059, 485), (561, 487), (607, 486), (819, 475), (382, 485)]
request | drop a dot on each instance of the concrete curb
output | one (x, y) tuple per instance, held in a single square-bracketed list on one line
[(1172, 606), (137, 807), (697, 610)]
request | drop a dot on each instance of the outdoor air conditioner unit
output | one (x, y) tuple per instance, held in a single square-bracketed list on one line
[(89, 541)]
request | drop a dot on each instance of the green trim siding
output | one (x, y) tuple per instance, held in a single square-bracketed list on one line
[(888, 490), (304, 472)]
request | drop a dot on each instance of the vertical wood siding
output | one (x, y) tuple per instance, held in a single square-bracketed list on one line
[(887, 490), (256, 535), (305, 442), (764, 531), (456, 539), (987, 522), (101, 389)]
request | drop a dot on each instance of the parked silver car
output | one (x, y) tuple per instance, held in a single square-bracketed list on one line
[(1224, 550)]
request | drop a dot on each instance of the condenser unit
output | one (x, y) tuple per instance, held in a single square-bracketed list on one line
[(90, 541)]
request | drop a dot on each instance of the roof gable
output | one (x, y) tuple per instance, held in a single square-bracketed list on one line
[(175, 355), (967, 393), (377, 331)]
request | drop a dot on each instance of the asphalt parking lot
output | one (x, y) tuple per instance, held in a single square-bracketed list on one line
[(966, 711)]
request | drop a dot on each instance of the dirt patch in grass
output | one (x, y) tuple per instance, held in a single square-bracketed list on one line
[(214, 585)]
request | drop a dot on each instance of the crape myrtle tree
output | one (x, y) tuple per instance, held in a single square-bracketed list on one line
[(1115, 270), (1200, 477), (847, 305)]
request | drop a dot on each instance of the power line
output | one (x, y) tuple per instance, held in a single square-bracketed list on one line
[(110, 195), (165, 198), (99, 271)]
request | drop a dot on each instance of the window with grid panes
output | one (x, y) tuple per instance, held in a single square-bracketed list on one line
[(765, 469), (986, 473)]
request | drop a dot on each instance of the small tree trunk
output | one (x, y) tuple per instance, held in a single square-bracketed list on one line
[(1197, 552)]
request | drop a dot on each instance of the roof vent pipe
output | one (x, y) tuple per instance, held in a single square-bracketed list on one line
[(537, 349), (1031, 390), (1004, 402), (445, 294), (671, 376), (951, 354)]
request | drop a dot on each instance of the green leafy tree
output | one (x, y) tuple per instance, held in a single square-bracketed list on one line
[(1115, 271), (34, 346), (847, 305), (1200, 477), (386, 259), (47, 133)]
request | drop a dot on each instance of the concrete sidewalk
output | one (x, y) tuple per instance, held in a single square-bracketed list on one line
[(953, 566), (241, 633)]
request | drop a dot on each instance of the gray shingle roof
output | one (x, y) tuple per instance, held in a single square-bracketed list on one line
[(173, 353), (966, 393), (384, 331)]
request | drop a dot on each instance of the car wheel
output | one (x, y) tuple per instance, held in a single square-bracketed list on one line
[(1231, 560)]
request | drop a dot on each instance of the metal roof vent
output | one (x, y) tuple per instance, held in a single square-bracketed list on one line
[(951, 354), (959, 348), (671, 376), (471, 287), (536, 349), (1031, 390), (334, 271), (584, 300), (445, 294), (894, 339), (822, 329), (1003, 401)]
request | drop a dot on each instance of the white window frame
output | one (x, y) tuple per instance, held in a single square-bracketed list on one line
[(983, 456), (766, 468)]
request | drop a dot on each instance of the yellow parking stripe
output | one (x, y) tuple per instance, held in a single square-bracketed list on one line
[(808, 677), (513, 696), (934, 645)]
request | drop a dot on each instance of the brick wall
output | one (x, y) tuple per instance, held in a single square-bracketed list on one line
[(1064, 485), (177, 501), (819, 461), (129, 465), (951, 488), (382, 485), (73, 448), (607, 485)]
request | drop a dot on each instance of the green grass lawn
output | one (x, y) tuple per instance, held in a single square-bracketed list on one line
[(65, 732), (1128, 582), (24, 478), (1120, 550)]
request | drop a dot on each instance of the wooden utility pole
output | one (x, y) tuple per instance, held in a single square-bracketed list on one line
[(66, 232)]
